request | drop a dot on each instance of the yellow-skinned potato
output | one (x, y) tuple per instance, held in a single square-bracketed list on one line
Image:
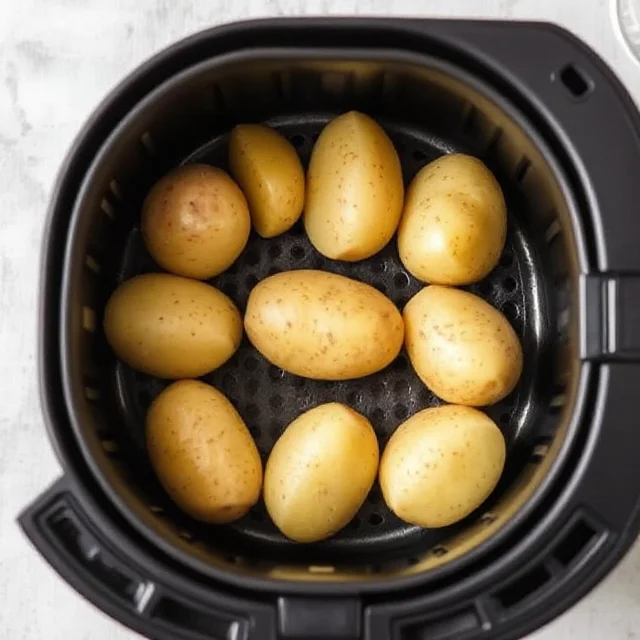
[(461, 347), (195, 221), (354, 189), (454, 223), (203, 453), (322, 325), (320, 472), (171, 327), (270, 173), (441, 464)]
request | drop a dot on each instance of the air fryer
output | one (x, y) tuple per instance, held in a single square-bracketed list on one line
[(563, 138)]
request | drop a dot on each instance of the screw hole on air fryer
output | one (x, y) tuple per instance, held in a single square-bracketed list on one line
[(575, 81), (252, 257), (250, 282), (521, 169), (510, 310), (510, 284), (401, 280), (297, 141), (250, 363), (375, 519), (400, 411), (275, 251), (488, 518), (276, 401), (439, 551), (297, 252)]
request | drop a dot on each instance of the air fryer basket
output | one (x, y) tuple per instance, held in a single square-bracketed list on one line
[(562, 138)]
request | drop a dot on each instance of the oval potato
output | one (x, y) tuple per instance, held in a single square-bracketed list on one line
[(462, 348), (202, 452), (171, 327), (454, 223), (322, 325), (195, 221), (441, 464), (320, 472), (354, 189), (270, 174)]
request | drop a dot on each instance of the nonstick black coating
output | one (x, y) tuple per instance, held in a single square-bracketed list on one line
[(269, 399)]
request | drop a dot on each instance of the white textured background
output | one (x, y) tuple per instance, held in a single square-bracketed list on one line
[(58, 58)]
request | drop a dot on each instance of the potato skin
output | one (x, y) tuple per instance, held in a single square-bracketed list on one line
[(461, 347), (171, 327), (454, 223), (269, 172), (195, 221), (354, 189), (441, 464), (320, 471), (202, 452), (322, 325)]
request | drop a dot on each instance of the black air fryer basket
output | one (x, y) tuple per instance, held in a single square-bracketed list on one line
[(563, 138)]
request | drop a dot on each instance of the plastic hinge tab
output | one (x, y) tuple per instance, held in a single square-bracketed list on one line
[(610, 310), (331, 618)]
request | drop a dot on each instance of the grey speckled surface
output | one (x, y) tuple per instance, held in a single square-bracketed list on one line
[(57, 59)]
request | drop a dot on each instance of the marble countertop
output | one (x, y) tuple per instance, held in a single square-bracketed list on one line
[(58, 58)]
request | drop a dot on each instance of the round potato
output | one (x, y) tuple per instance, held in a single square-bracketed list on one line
[(354, 189), (322, 325), (320, 472), (171, 327), (441, 464), (203, 453), (195, 221), (462, 348), (454, 223), (269, 171)]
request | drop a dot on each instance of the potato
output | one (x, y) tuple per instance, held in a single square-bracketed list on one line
[(454, 223), (462, 348), (195, 221), (441, 464), (320, 472), (202, 452), (322, 325), (269, 171), (354, 189), (171, 327)]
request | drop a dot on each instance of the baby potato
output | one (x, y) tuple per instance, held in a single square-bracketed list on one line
[(195, 221), (269, 171), (203, 453), (354, 189), (454, 223), (322, 325), (320, 472), (171, 327), (441, 464), (462, 348)]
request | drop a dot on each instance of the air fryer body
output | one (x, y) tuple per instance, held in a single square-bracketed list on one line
[(563, 138)]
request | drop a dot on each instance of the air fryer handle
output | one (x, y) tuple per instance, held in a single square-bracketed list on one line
[(101, 571)]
